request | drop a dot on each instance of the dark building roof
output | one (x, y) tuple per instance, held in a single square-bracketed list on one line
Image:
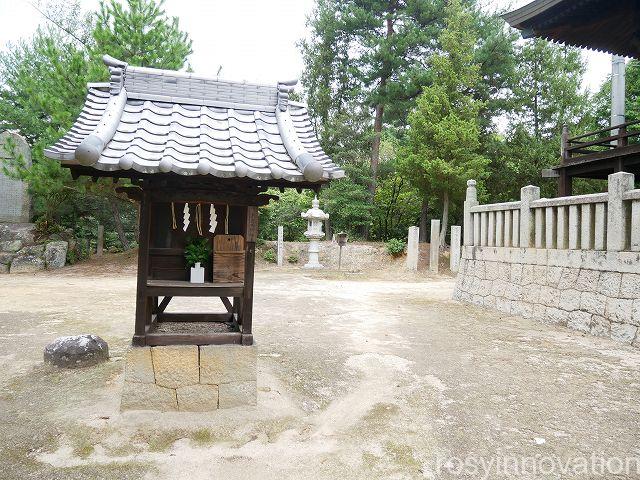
[(160, 121), (606, 25)]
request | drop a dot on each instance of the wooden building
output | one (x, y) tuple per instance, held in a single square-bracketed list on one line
[(199, 155), (603, 25)]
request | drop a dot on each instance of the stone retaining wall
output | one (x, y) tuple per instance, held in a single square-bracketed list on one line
[(591, 291), (19, 252), (190, 377)]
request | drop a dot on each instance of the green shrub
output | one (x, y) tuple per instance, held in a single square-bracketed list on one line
[(197, 251), (395, 247), (294, 257), (270, 256)]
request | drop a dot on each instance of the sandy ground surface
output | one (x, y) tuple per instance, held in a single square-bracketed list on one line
[(360, 376)]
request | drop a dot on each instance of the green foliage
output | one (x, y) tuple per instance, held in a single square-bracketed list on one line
[(141, 34), (396, 247), (43, 86), (270, 256), (294, 257), (197, 250), (348, 205), (286, 212), (443, 142)]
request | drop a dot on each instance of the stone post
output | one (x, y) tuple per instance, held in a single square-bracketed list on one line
[(454, 253), (100, 241), (412, 248), (527, 195), (434, 246), (618, 211), (470, 201), (280, 244)]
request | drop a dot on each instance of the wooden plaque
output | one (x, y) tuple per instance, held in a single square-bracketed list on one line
[(228, 258)]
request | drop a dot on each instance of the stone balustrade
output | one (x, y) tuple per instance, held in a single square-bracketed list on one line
[(603, 221), (573, 261)]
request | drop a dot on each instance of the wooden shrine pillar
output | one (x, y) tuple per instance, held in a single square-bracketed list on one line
[(249, 265), (143, 306), (565, 182)]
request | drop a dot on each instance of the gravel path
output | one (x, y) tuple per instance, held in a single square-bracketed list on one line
[(358, 378)]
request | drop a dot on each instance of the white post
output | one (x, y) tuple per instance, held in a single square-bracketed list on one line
[(280, 245), (477, 237), (635, 226), (499, 228), (470, 201), (550, 227), (587, 227), (454, 253), (539, 233), (527, 195), (515, 230), (491, 230), (484, 235), (618, 211), (600, 241), (412, 248), (434, 246), (562, 239), (574, 227), (507, 228), (100, 241)]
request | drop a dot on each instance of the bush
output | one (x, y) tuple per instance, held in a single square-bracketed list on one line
[(395, 247), (294, 257), (270, 256)]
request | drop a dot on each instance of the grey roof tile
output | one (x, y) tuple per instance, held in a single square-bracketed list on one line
[(158, 121)]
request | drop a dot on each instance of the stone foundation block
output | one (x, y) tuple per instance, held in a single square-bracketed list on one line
[(580, 321), (148, 396), (190, 378), (623, 332), (139, 366), (176, 366), (227, 363), (197, 398), (238, 394), (600, 326)]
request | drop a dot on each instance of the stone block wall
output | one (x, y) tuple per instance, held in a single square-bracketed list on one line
[(19, 252), (592, 291), (190, 378)]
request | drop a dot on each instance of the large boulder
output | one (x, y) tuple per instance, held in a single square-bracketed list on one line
[(37, 250), (10, 246), (7, 258), (55, 254), (76, 351), (26, 264), (25, 232)]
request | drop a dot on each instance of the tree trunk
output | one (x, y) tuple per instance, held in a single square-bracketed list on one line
[(424, 211), (375, 148), (115, 210), (445, 218)]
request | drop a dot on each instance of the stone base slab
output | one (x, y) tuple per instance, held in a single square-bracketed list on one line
[(190, 378)]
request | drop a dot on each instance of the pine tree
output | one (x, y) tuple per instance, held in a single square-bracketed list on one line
[(443, 138)]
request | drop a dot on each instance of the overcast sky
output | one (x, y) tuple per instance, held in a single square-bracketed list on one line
[(253, 40)]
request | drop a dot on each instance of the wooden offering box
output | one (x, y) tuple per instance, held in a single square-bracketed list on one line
[(228, 258)]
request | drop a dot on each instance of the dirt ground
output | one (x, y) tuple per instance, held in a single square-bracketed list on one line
[(359, 376)]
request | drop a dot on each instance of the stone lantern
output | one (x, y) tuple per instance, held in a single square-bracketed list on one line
[(314, 232)]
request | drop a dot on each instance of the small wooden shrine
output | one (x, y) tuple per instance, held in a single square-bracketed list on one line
[(199, 155), (604, 25)]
